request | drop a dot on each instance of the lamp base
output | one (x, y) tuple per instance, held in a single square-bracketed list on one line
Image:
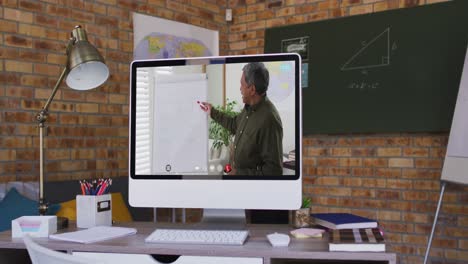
[(43, 206)]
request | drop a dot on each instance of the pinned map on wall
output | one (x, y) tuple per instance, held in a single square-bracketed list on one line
[(157, 38)]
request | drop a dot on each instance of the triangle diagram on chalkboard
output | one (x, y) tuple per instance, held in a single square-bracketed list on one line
[(375, 53)]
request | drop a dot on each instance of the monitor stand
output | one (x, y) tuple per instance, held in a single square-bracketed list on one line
[(223, 219)]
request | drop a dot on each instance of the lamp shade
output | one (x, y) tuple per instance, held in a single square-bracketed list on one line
[(87, 69)]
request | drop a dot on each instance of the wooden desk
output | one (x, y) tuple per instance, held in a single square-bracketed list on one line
[(257, 246)]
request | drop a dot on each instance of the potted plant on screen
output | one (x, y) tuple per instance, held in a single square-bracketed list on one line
[(301, 217), (221, 137)]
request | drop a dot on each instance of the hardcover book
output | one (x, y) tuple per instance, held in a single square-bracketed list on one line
[(355, 240), (343, 221)]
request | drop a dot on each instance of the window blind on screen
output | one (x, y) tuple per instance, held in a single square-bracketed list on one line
[(142, 123), (144, 118)]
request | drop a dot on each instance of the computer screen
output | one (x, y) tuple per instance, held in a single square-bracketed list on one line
[(216, 132)]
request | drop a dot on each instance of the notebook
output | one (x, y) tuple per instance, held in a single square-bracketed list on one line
[(94, 234), (307, 232), (343, 221)]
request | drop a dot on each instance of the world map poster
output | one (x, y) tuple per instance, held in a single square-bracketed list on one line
[(157, 38)]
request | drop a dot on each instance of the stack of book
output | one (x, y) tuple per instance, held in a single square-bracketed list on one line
[(349, 232), (364, 239)]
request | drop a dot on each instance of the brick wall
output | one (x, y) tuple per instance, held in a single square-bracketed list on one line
[(390, 177)]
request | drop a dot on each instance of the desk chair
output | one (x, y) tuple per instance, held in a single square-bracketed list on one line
[(43, 255)]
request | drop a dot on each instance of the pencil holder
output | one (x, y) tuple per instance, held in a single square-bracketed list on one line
[(93, 210)]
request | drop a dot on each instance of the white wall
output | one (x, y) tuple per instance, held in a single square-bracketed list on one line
[(215, 75)]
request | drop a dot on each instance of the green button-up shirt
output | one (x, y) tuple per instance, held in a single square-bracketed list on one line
[(258, 144)]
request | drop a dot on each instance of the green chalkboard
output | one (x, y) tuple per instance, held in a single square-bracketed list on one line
[(392, 71)]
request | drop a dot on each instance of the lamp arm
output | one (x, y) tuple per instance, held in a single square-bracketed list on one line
[(42, 115), (41, 118)]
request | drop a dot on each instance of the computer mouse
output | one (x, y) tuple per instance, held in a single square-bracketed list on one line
[(279, 240)]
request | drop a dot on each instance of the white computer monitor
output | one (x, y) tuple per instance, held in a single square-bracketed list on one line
[(172, 162)]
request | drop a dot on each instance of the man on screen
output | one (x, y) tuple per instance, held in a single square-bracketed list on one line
[(258, 144)]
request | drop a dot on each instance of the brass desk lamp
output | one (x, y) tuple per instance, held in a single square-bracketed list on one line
[(85, 70)]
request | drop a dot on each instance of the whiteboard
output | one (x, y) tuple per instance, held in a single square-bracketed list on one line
[(180, 127), (456, 160)]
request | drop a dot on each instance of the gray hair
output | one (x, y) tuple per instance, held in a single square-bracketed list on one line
[(257, 74)]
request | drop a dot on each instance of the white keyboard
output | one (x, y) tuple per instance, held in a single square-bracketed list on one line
[(190, 236)]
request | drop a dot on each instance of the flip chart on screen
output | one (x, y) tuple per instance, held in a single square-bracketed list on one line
[(456, 161), (180, 126)]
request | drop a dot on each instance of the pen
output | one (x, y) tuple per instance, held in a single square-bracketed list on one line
[(109, 183), (95, 187), (88, 188), (84, 187), (83, 191), (102, 188), (98, 188), (202, 105)]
